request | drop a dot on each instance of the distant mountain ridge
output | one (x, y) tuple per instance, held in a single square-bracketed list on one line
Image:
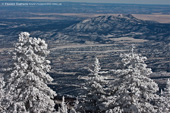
[(106, 24), (119, 26)]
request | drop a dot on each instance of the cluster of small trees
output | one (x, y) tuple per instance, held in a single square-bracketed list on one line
[(131, 90)]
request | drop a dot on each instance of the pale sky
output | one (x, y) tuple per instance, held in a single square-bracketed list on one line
[(166, 2)]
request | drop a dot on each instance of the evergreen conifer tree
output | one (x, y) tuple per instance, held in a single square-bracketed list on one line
[(164, 102), (1, 94), (63, 108), (166, 91), (26, 89), (133, 91), (95, 87)]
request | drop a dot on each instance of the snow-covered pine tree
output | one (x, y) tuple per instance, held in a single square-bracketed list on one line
[(166, 91), (133, 91), (73, 110), (1, 94), (97, 68), (164, 102), (26, 89), (63, 108), (95, 95)]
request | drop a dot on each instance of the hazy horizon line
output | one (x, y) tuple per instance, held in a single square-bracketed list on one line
[(158, 2), (84, 2)]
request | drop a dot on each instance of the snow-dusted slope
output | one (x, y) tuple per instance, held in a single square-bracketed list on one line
[(108, 24), (98, 29)]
